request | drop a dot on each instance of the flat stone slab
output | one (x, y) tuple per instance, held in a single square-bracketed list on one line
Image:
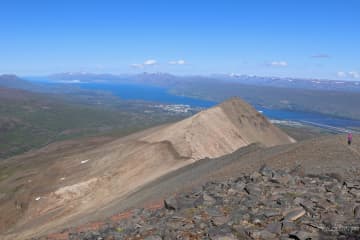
[(294, 214)]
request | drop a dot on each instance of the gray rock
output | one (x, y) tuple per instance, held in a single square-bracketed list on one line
[(299, 200), (324, 204), (218, 221), (240, 215), (266, 171), (203, 225), (263, 235), (298, 171), (294, 214), (333, 187), (208, 200), (350, 184), (288, 227), (271, 213), (155, 237), (223, 231), (229, 236), (301, 235), (241, 232), (336, 176), (256, 177), (214, 212), (274, 227), (240, 186), (171, 203), (284, 180), (253, 189), (308, 206), (355, 192), (267, 205), (285, 237), (357, 211), (332, 220), (187, 202)]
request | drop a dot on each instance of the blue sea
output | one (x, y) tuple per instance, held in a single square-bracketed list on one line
[(146, 93), (161, 95), (309, 118)]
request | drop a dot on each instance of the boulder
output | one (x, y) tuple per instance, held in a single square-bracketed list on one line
[(301, 235), (171, 203), (294, 214), (274, 227), (266, 171)]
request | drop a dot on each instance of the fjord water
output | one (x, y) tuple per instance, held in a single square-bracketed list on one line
[(157, 94), (147, 93), (130, 91), (311, 118)]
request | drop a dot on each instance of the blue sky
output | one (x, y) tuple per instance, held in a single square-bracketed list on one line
[(298, 38)]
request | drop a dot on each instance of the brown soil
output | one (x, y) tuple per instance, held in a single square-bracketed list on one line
[(329, 154), (72, 182)]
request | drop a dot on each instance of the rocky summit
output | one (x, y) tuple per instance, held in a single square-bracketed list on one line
[(267, 204)]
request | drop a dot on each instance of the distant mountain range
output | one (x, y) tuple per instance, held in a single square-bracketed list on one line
[(13, 81), (165, 79), (337, 98), (313, 84), (169, 80)]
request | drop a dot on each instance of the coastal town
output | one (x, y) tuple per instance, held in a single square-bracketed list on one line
[(175, 108)]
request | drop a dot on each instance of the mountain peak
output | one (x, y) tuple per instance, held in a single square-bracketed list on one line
[(220, 130), (234, 101), (13, 81), (102, 176), (8, 76)]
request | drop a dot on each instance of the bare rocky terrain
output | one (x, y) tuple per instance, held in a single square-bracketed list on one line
[(266, 204), (195, 179), (64, 185), (322, 173)]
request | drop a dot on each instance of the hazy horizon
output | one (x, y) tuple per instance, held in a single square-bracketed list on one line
[(210, 75)]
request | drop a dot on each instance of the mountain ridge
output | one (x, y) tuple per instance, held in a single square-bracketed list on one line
[(321, 163), (74, 182), (221, 130)]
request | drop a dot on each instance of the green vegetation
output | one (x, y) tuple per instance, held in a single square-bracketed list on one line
[(336, 103), (30, 120)]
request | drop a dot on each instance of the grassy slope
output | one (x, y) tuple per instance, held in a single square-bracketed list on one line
[(29, 120)]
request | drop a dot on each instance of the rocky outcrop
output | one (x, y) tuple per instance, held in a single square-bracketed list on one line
[(268, 204)]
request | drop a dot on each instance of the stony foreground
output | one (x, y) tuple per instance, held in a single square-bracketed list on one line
[(282, 204)]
